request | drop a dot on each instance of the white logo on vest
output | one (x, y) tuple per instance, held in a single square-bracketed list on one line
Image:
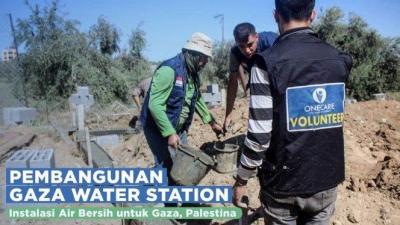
[(319, 95), (314, 107)]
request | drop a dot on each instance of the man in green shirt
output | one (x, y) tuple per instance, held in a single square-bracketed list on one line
[(173, 98)]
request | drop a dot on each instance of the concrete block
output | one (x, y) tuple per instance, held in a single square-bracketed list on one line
[(223, 97), (18, 115), (107, 141), (20, 159), (213, 88), (42, 159), (380, 96), (83, 90), (350, 101), (81, 97), (80, 116), (6, 116), (86, 100), (212, 99), (27, 114)]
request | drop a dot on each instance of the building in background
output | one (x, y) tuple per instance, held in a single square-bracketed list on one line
[(9, 54)]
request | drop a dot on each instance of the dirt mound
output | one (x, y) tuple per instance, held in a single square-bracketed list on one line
[(388, 179), (134, 152), (370, 194), (372, 134)]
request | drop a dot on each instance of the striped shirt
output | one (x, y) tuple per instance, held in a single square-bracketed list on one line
[(259, 124)]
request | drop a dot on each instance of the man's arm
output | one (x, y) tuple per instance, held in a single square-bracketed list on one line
[(136, 99), (206, 116), (259, 123), (242, 79), (202, 111), (135, 95), (259, 131), (161, 88), (232, 88), (231, 94)]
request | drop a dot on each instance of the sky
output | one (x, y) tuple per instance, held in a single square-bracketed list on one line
[(168, 24)]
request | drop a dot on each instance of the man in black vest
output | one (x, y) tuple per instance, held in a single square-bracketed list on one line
[(295, 133)]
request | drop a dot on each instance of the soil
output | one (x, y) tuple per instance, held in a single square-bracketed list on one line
[(370, 195)]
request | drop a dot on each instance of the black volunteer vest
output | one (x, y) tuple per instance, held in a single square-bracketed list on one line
[(307, 77)]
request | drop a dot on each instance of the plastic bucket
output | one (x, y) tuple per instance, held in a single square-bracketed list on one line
[(226, 156), (190, 165)]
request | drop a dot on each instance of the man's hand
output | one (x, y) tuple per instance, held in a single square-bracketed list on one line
[(240, 198), (246, 93), (216, 128), (227, 124), (173, 141)]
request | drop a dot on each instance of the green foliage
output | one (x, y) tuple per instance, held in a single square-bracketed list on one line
[(376, 61), (9, 70), (7, 98), (133, 61), (136, 65), (52, 44), (104, 77), (394, 95), (216, 70), (11, 77), (43, 26), (140, 69), (104, 36), (59, 57), (137, 42)]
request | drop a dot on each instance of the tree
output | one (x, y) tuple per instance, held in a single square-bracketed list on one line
[(52, 45), (376, 60), (104, 36), (137, 42), (58, 59), (216, 71), (43, 26), (133, 60), (134, 56)]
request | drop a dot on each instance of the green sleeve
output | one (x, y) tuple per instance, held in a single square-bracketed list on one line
[(161, 87), (202, 111)]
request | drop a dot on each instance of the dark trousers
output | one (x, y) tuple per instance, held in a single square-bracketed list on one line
[(163, 154)]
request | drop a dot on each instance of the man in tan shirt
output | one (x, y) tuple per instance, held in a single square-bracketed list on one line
[(139, 91)]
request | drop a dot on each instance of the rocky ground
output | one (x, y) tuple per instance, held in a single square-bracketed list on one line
[(370, 194)]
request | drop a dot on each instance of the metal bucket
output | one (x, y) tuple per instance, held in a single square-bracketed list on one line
[(190, 165), (226, 155)]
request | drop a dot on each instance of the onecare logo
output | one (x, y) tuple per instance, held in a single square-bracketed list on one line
[(319, 95)]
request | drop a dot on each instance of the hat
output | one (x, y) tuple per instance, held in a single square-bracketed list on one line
[(200, 42)]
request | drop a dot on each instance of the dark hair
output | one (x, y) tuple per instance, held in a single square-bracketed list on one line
[(242, 31), (294, 9)]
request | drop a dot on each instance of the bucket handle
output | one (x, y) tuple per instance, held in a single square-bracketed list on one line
[(183, 150), (195, 157), (189, 153)]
